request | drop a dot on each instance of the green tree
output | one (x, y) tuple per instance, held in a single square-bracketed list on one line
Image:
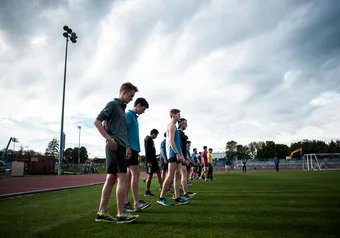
[(242, 152), (266, 150), (83, 154), (310, 147), (68, 155), (261, 150), (230, 149), (99, 160), (52, 148), (21, 151), (253, 149), (31, 153), (282, 150)]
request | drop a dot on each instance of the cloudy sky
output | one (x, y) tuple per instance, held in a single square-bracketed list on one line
[(247, 70)]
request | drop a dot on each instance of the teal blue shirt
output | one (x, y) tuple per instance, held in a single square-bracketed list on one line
[(133, 130), (177, 140)]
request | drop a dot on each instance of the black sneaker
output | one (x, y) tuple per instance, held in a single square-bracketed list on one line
[(126, 218), (173, 196), (148, 194), (105, 217), (181, 201), (128, 207)]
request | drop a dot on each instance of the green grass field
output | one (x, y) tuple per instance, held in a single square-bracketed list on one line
[(285, 204)]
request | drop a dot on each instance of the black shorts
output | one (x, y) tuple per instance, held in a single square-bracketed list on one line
[(134, 159), (154, 168), (115, 160), (164, 166), (173, 160)]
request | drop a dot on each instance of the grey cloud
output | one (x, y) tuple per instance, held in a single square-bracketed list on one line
[(317, 39)]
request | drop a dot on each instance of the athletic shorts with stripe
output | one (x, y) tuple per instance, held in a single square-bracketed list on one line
[(134, 159), (115, 160), (154, 168)]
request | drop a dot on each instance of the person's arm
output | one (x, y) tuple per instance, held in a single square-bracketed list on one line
[(163, 152), (163, 155), (146, 147), (128, 124)]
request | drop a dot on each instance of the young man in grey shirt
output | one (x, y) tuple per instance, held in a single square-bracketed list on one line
[(114, 130)]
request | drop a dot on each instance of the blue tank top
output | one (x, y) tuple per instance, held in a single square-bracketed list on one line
[(169, 150)]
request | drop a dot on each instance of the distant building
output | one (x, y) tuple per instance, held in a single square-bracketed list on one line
[(219, 158), (218, 155)]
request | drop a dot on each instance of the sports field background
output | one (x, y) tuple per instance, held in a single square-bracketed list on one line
[(268, 204)]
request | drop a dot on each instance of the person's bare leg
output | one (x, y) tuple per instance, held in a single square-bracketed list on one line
[(128, 184), (160, 180), (177, 182), (106, 192), (184, 181), (134, 182), (168, 179), (121, 191), (148, 182)]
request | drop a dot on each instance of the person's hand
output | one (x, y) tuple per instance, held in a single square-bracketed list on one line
[(149, 164), (165, 161), (112, 144), (187, 162), (180, 159), (128, 153)]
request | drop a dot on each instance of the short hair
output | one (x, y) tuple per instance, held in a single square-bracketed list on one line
[(194, 149), (188, 142), (174, 112), (210, 149), (142, 102), (154, 131), (205, 147), (180, 122), (128, 87), (164, 134)]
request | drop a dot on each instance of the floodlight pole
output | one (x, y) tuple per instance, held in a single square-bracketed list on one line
[(72, 35), (79, 127), (61, 150)]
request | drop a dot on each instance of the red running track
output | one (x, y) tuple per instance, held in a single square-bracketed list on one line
[(10, 187)]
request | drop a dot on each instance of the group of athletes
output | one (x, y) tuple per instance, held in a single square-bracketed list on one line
[(121, 131)]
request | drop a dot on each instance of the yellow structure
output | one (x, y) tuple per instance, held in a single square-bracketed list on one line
[(293, 152)]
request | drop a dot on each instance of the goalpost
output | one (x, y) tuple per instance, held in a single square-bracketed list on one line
[(310, 162)]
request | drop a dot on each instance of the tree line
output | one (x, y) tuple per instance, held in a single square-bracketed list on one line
[(253, 150), (70, 154), (269, 149)]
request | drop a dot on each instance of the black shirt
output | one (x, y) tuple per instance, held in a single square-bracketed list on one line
[(150, 151), (184, 140)]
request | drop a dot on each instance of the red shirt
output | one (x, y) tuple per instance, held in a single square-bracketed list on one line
[(204, 157)]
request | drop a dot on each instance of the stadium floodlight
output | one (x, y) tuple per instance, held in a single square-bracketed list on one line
[(72, 36)]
